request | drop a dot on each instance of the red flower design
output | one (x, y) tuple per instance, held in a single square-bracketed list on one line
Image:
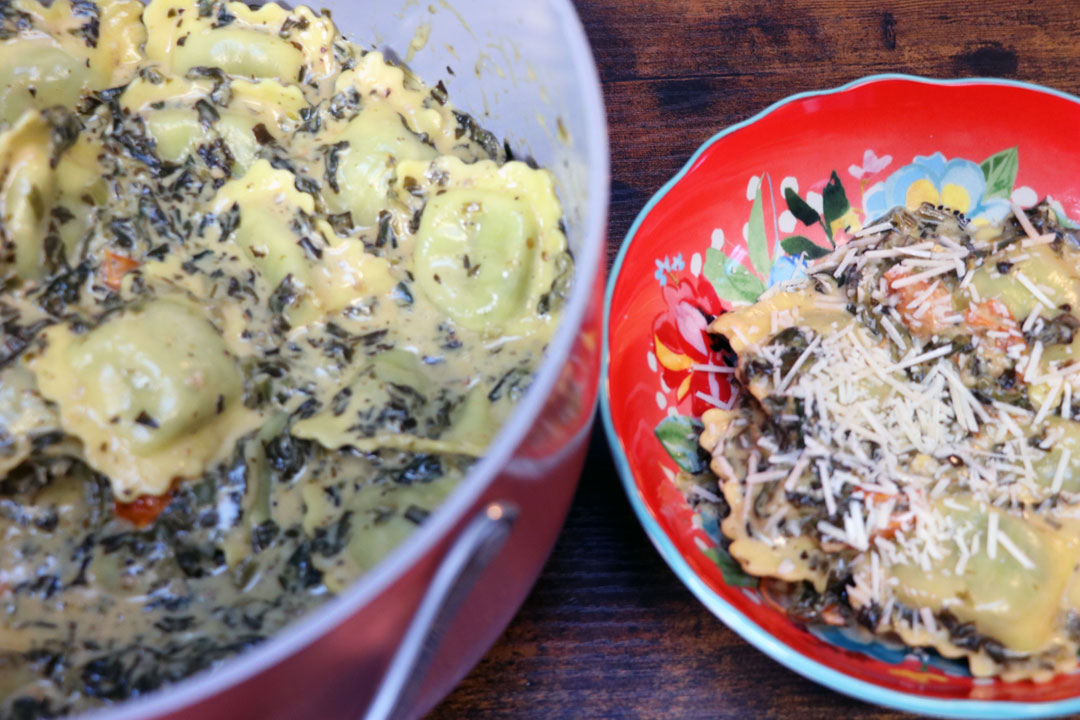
[(682, 344)]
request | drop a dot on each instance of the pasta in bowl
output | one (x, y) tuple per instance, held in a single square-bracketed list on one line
[(901, 453), (266, 298), (728, 245)]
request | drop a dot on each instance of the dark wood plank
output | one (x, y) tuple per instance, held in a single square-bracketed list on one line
[(609, 631), (676, 72)]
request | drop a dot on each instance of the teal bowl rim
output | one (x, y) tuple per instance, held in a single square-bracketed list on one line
[(733, 618)]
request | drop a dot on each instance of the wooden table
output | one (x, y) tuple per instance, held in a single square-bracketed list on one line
[(609, 631)]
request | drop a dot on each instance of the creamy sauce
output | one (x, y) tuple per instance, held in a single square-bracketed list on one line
[(265, 298), (907, 453)]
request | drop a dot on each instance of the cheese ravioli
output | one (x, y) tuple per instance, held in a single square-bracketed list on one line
[(152, 394)]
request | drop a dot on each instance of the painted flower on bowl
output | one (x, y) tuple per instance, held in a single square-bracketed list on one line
[(787, 267), (872, 165), (681, 344), (668, 266), (958, 184)]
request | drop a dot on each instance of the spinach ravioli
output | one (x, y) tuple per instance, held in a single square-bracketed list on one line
[(904, 456), (265, 299)]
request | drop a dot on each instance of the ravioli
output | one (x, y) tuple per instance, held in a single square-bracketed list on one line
[(905, 448), (362, 161), (26, 194), (315, 264), (422, 113), (184, 114), (153, 395), (488, 241), (54, 55), (463, 427), (265, 42), (24, 416)]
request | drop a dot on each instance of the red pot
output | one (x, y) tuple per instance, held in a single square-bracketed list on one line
[(526, 71)]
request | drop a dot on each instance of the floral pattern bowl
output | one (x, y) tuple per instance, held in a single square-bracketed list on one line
[(750, 209)]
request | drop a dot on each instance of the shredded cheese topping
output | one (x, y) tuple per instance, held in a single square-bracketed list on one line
[(905, 425)]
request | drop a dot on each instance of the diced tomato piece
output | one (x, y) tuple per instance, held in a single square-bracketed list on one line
[(927, 322), (144, 509), (115, 268), (993, 315), (889, 531), (767, 593), (831, 615)]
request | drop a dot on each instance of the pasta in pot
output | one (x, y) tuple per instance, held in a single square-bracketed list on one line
[(265, 296)]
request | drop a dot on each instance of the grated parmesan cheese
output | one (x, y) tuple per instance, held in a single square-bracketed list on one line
[(880, 438), (1035, 291)]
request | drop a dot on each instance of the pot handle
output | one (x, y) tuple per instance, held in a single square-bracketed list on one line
[(477, 545)]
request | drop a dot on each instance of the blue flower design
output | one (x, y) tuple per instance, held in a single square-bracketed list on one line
[(787, 267), (667, 265), (858, 640), (958, 184), (662, 268)]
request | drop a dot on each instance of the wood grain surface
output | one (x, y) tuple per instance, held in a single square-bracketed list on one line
[(609, 632)]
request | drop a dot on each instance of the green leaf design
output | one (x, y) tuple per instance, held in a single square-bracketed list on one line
[(1000, 172), (756, 242), (749, 286), (800, 209), (834, 202), (731, 570), (731, 280), (679, 436), (798, 245)]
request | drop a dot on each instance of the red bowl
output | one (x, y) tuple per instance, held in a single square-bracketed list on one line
[(745, 212)]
